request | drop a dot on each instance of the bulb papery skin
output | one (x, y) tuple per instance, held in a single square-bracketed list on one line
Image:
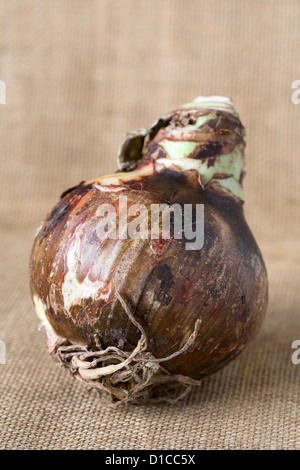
[(199, 308)]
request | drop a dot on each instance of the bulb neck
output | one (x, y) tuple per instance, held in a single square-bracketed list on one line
[(205, 135)]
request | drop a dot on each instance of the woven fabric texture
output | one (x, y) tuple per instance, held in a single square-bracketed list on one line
[(79, 74)]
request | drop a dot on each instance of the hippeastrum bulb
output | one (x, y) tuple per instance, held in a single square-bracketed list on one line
[(149, 279)]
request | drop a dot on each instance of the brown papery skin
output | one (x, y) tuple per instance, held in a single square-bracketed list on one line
[(167, 287)]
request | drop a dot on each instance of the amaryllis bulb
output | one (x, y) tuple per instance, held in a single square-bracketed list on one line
[(133, 305)]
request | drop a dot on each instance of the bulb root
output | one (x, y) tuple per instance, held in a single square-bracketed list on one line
[(121, 376)]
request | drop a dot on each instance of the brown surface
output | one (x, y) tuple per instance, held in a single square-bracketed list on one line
[(78, 75)]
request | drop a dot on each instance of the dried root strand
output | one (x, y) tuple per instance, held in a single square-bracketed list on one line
[(121, 376)]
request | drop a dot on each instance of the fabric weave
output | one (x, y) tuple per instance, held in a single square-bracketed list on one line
[(78, 75)]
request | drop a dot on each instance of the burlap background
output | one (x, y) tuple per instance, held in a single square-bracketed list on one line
[(79, 73)]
